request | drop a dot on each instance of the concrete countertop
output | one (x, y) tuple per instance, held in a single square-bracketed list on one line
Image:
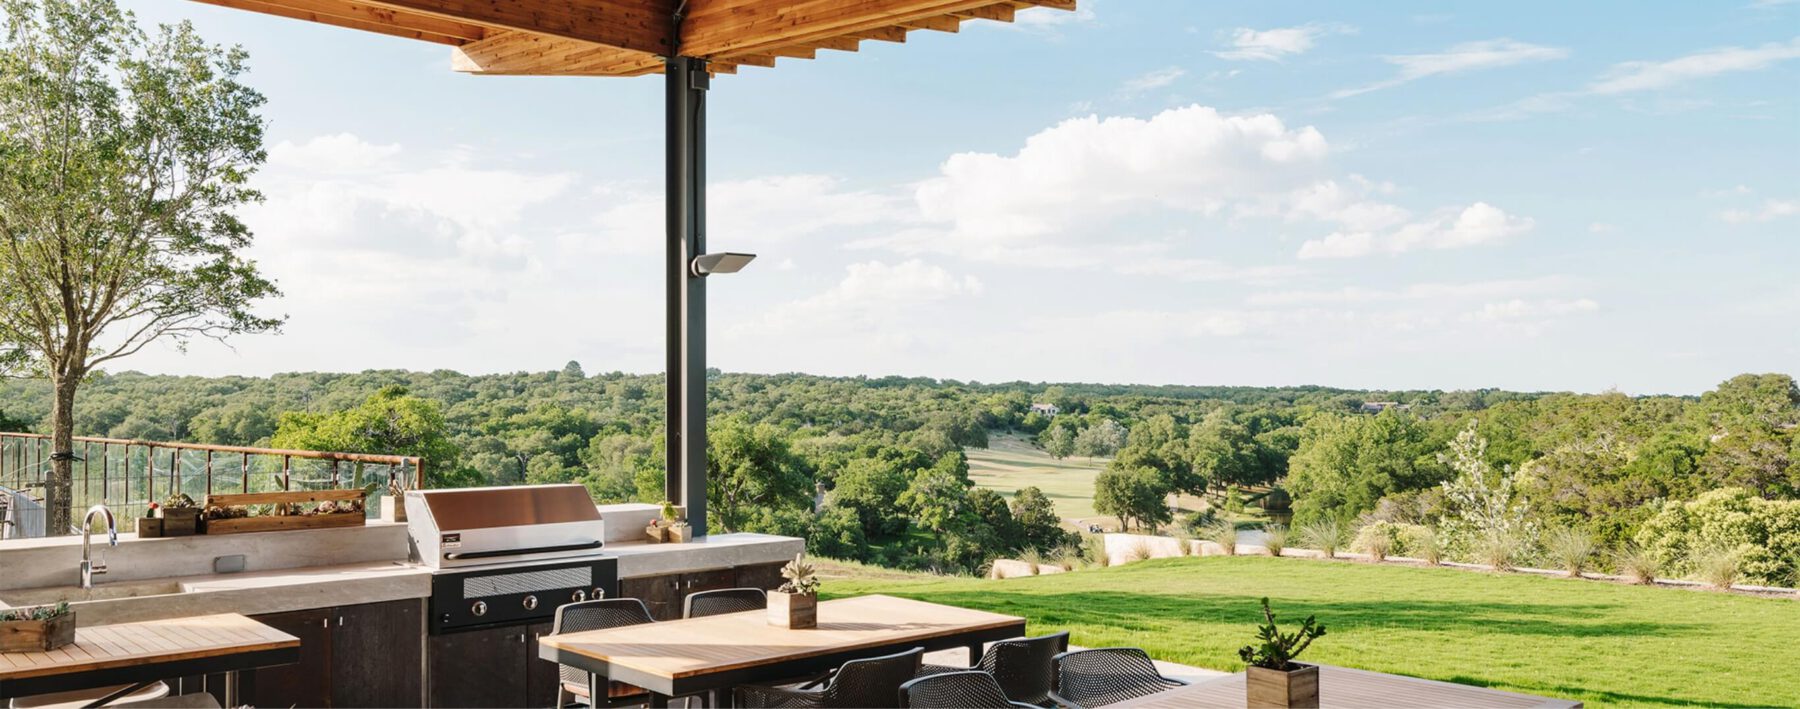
[(249, 593), (712, 552)]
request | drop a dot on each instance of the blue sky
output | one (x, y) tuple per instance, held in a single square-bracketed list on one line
[(1387, 195)]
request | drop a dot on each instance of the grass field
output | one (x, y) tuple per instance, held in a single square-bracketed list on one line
[(1602, 643), (1011, 462)]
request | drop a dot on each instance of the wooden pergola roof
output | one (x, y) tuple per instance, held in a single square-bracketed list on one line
[(629, 37)]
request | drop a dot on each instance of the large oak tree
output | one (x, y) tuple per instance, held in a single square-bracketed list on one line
[(123, 155)]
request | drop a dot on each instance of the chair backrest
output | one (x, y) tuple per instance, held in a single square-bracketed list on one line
[(720, 602), (1026, 668), (1106, 675), (954, 690), (597, 614), (874, 682)]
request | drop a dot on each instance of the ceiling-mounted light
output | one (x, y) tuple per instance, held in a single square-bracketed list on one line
[(708, 264)]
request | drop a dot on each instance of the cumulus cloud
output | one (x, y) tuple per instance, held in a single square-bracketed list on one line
[(760, 212), (870, 293), (1277, 43), (1479, 223), (1635, 76), (1462, 58)]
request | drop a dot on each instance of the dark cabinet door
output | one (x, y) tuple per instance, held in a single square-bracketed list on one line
[(708, 580), (478, 668), (378, 655), (763, 576), (541, 676), (306, 683), (660, 593)]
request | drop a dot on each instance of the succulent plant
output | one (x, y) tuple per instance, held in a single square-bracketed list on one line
[(669, 513), (35, 612), (800, 577), (1277, 651), (178, 501)]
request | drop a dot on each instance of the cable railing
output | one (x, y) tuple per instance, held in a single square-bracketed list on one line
[(127, 475)]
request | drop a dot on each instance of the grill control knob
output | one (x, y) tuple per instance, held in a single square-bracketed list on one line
[(531, 603), (597, 593), (578, 596), (480, 608)]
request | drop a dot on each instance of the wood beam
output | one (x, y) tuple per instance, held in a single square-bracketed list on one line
[(948, 23), (526, 54), (363, 17), (731, 27), (882, 34), (640, 25), (1002, 12)]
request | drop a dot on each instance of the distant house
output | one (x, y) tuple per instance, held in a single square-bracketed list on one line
[(1049, 410), (1376, 407)]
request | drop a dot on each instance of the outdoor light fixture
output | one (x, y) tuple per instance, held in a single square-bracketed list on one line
[(708, 264)]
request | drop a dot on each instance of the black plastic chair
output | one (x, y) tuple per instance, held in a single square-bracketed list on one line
[(1091, 678), (967, 689), (729, 600), (598, 615), (1025, 668), (872, 683)]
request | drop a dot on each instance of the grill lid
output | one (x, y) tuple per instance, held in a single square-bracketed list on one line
[(501, 525), (490, 507)]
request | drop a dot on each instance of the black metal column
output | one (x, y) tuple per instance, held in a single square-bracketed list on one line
[(685, 426)]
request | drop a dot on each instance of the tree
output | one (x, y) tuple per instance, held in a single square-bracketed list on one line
[(1035, 517), (1347, 463), (389, 422), (1058, 440), (1132, 495), (1101, 439), (122, 156), (1160, 444), (752, 466), (1223, 453)]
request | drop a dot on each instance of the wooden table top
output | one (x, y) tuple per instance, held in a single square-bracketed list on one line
[(146, 643), (1345, 687), (696, 646)]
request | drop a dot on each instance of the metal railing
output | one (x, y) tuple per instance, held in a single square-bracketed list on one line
[(128, 475)]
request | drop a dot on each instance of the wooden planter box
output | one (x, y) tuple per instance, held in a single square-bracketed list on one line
[(793, 610), (37, 635), (683, 533), (1297, 688), (656, 535), (284, 522), (393, 508), (179, 521), (148, 527)]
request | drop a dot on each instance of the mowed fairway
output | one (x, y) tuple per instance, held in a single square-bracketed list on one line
[(1602, 643), (1011, 462)]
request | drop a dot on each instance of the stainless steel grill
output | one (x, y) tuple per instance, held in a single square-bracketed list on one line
[(527, 582)]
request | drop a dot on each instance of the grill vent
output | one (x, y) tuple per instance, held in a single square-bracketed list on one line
[(527, 582)]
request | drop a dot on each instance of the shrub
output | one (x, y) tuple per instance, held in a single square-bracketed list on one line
[(1638, 564), (1397, 539), (1325, 534), (1427, 546), (1718, 568), (1764, 533), (1376, 545), (1224, 534), (1570, 549), (1275, 538), (1094, 546), (1140, 551), (1199, 521), (1498, 550), (1184, 543)]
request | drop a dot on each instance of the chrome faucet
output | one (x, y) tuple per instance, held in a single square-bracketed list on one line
[(89, 568)]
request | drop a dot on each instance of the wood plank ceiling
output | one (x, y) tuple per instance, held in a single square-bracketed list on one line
[(629, 37)]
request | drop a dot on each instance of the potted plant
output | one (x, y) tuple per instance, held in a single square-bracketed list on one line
[(39, 629), (180, 516), (656, 533), (796, 603), (393, 504), (151, 524), (677, 528), (1272, 678)]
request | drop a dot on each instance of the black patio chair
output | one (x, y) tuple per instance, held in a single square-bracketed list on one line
[(1091, 678), (872, 683), (967, 689), (720, 602), (1025, 668), (598, 615)]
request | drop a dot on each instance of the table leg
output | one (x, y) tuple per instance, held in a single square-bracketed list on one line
[(657, 701), (975, 651)]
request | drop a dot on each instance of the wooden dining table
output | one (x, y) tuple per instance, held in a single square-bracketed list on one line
[(139, 653), (716, 653), (1353, 689)]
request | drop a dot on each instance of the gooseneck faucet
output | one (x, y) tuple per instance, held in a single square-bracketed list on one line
[(89, 569)]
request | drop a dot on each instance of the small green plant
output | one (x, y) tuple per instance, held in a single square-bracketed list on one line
[(1094, 547), (1275, 538), (1184, 543), (1719, 569), (1140, 551), (1377, 546), (35, 612), (1277, 651), (1224, 534), (1428, 547), (1498, 551), (1325, 535), (178, 501), (1638, 564), (669, 513), (1571, 549), (800, 577)]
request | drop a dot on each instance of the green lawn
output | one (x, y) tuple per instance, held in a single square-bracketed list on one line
[(1011, 462), (1602, 643)]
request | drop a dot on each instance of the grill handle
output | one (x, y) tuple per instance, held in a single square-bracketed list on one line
[(455, 555)]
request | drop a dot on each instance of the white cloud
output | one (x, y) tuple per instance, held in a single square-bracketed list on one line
[(1277, 43), (1151, 81), (870, 294), (331, 154), (1434, 292), (1602, 228), (1770, 210), (1465, 57), (1477, 224), (745, 214), (1648, 76)]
